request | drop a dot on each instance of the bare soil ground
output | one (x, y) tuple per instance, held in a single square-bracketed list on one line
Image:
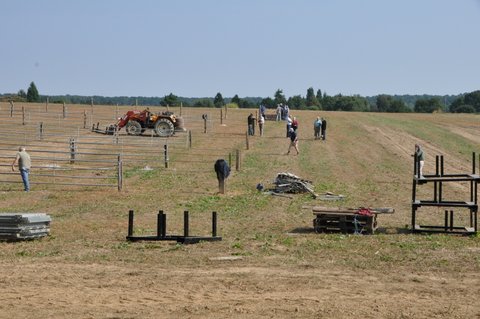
[(270, 263)]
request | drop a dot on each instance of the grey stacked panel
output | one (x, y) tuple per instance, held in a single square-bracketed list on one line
[(20, 226)]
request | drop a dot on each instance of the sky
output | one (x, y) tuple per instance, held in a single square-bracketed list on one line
[(197, 48)]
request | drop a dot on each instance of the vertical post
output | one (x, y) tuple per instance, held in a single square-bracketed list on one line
[(214, 224), (414, 212), (40, 130), (119, 173), (247, 141), (189, 139), (446, 221), (91, 104), (451, 220), (185, 224), (11, 108), (221, 116), (230, 159), (204, 124), (237, 160), (159, 223), (164, 225), (440, 184), (435, 184), (46, 105), (130, 223), (72, 150), (84, 119), (225, 106), (23, 115), (165, 153)]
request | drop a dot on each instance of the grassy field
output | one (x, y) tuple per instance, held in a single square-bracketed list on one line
[(276, 266)]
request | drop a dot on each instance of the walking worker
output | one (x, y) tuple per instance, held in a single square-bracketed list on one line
[(24, 164), (324, 129), (317, 126), (295, 123), (293, 141), (421, 159)]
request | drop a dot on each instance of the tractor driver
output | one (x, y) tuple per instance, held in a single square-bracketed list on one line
[(147, 115)]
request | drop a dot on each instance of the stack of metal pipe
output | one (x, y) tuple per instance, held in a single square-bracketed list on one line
[(22, 226)]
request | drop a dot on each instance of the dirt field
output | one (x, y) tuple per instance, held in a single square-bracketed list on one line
[(270, 263)]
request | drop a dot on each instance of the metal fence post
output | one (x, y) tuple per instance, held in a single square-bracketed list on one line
[(72, 150), (165, 153), (119, 173)]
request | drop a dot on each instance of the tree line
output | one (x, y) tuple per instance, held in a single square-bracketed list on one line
[(313, 100)]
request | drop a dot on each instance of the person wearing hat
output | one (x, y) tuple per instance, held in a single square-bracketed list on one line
[(293, 141)]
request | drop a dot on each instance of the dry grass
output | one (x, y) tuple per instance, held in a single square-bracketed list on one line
[(87, 269)]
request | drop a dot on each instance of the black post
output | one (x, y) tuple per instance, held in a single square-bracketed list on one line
[(413, 218), (189, 139), (451, 220), (164, 225), (159, 223), (435, 184), (446, 220), (185, 223), (130, 223), (204, 124), (440, 184), (214, 224), (165, 147)]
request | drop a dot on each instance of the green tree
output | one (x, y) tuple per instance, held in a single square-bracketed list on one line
[(279, 97), (297, 102), (170, 100), (427, 105), (235, 99), (311, 99), (269, 103), (218, 100), (32, 93), (22, 94), (319, 96), (204, 103)]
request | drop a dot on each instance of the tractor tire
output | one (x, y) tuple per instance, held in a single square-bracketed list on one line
[(133, 128), (164, 128)]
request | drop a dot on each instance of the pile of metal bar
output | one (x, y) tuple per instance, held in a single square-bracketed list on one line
[(21, 226), (290, 183)]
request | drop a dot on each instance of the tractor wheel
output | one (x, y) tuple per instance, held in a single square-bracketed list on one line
[(133, 128), (164, 127)]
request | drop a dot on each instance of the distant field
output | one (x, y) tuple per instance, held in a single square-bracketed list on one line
[(86, 269)]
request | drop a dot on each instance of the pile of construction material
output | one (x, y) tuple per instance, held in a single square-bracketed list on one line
[(290, 183), (21, 226)]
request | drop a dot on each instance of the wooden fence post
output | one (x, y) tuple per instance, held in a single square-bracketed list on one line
[(91, 104), (248, 144), (204, 123), (190, 139), (46, 105), (64, 110), (11, 108), (221, 116), (84, 119), (230, 159), (23, 115)]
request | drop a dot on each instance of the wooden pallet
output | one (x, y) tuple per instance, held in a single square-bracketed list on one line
[(346, 220)]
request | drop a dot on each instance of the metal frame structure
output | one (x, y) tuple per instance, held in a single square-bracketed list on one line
[(439, 178), (186, 238)]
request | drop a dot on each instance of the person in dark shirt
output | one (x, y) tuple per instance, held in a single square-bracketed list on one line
[(293, 141), (324, 129), (251, 124)]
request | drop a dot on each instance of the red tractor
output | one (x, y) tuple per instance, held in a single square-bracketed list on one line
[(136, 122)]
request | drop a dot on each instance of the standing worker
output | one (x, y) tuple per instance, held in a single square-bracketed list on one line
[(24, 164), (317, 126), (324, 129), (261, 124), (251, 124), (421, 159)]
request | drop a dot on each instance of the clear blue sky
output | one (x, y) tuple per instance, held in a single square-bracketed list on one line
[(196, 48)]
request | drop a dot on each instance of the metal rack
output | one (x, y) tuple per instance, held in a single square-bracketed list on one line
[(439, 179)]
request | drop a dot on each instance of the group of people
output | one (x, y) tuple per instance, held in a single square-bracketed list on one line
[(282, 112), (320, 128)]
